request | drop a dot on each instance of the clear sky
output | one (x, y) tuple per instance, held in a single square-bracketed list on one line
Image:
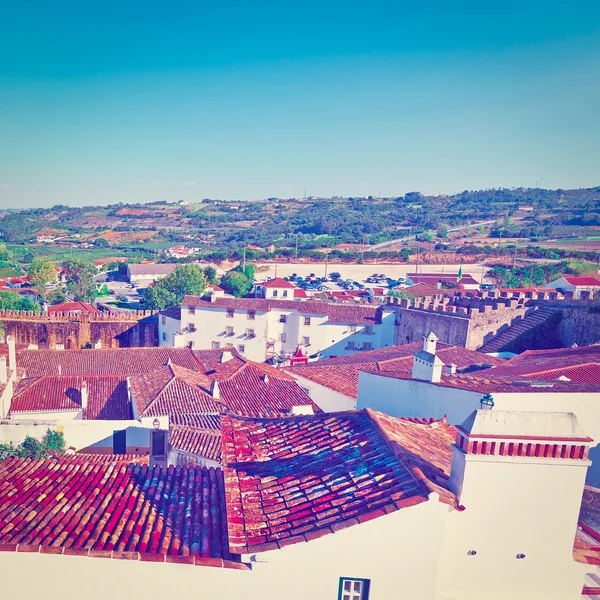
[(104, 102)]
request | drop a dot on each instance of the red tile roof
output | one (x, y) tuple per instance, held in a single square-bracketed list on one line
[(82, 307), (336, 313), (277, 282), (296, 479), (107, 396), (433, 278), (341, 373), (201, 442), (101, 508), (215, 288), (211, 422), (421, 290), (300, 293), (583, 281)]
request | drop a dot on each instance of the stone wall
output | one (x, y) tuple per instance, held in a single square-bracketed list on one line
[(579, 326), (74, 331), (490, 320)]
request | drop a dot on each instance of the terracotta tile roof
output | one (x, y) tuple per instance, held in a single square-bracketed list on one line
[(336, 313), (107, 396), (211, 422), (557, 357), (586, 548), (298, 478), (83, 307), (277, 282), (172, 313), (215, 288), (114, 509), (300, 293), (583, 281), (342, 373), (587, 373), (421, 290), (151, 269), (193, 440), (122, 361), (433, 278)]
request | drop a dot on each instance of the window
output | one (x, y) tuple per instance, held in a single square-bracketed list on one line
[(191, 327), (307, 320), (285, 293), (230, 312), (228, 330), (283, 319), (163, 320), (350, 345), (192, 310), (216, 345), (353, 589), (352, 328), (367, 346), (282, 337), (164, 336), (368, 330), (306, 341), (229, 345), (274, 294), (251, 314), (250, 333), (241, 348)]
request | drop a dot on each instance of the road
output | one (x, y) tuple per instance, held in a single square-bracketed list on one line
[(376, 247)]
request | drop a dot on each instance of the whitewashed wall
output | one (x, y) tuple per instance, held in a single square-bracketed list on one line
[(326, 399)]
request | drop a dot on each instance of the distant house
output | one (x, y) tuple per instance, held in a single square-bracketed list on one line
[(275, 288), (576, 284), (180, 251), (72, 307), (144, 274), (437, 280)]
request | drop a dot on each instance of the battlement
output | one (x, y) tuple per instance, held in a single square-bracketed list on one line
[(62, 317)]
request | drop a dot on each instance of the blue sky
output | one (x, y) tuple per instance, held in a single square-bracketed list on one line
[(141, 101)]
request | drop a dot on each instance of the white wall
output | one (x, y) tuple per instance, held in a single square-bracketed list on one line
[(325, 398), (167, 328)]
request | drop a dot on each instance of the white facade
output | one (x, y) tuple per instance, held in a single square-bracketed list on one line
[(563, 284), (261, 334), (326, 399)]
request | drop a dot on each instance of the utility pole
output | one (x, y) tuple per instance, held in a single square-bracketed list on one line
[(244, 261), (326, 259), (363, 250), (418, 251), (515, 256), (296, 260)]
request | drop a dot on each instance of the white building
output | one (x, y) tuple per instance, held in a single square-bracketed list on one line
[(354, 506), (273, 329), (566, 379), (576, 284), (143, 274)]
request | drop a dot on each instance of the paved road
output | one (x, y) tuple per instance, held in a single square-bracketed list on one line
[(376, 247)]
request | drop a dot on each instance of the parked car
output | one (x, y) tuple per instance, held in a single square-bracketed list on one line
[(335, 275)]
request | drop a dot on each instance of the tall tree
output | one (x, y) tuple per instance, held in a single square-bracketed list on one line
[(236, 283), (169, 291), (40, 272), (80, 279)]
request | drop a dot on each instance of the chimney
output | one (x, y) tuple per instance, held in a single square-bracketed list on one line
[(60, 369), (214, 389), (519, 475), (84, 395), (266, 378), (226, 356), (427, 366), (3, 371), (451, 369), (12, 353)]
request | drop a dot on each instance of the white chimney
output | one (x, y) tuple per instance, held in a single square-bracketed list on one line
[(214, 389), (519, 476), (305, 409), (3, 371), (266, 378), (84, 395), (451, 368), (426, 365), (226, 356), (60, 369), (12, 353)]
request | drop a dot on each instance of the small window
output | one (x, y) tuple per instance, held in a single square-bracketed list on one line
[(283, 319), (368, 330), (282, 337), (163, 320), (351, 346), (250, 333), (191, 327), (229, 345), (251, 314), (216, 345), (353, 589), (241, 348), (306, 341), (229, 330), (230, 312), (367, 346), (285, 293), (352, 328), (164, 336), (192, 310), (307, 320), (274, 294)]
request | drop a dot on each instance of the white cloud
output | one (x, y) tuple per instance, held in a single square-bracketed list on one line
[(5, 186), (288, 186)]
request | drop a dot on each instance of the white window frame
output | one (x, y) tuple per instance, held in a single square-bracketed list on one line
[(353, 588)]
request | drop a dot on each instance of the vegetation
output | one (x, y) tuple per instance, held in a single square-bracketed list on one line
[(40, 271), (52, 444), (80, 280), (14, 301), (169, 291)]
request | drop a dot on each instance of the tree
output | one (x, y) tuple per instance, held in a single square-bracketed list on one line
[(52, 444), (2, 330), (236, 283), (210, 273), (169, 291), (40, 272), (14, 301), (101, 242), (80, 279), (57, 296), (442, 231)]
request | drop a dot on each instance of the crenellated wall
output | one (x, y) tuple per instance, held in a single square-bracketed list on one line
[(76, 330)]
